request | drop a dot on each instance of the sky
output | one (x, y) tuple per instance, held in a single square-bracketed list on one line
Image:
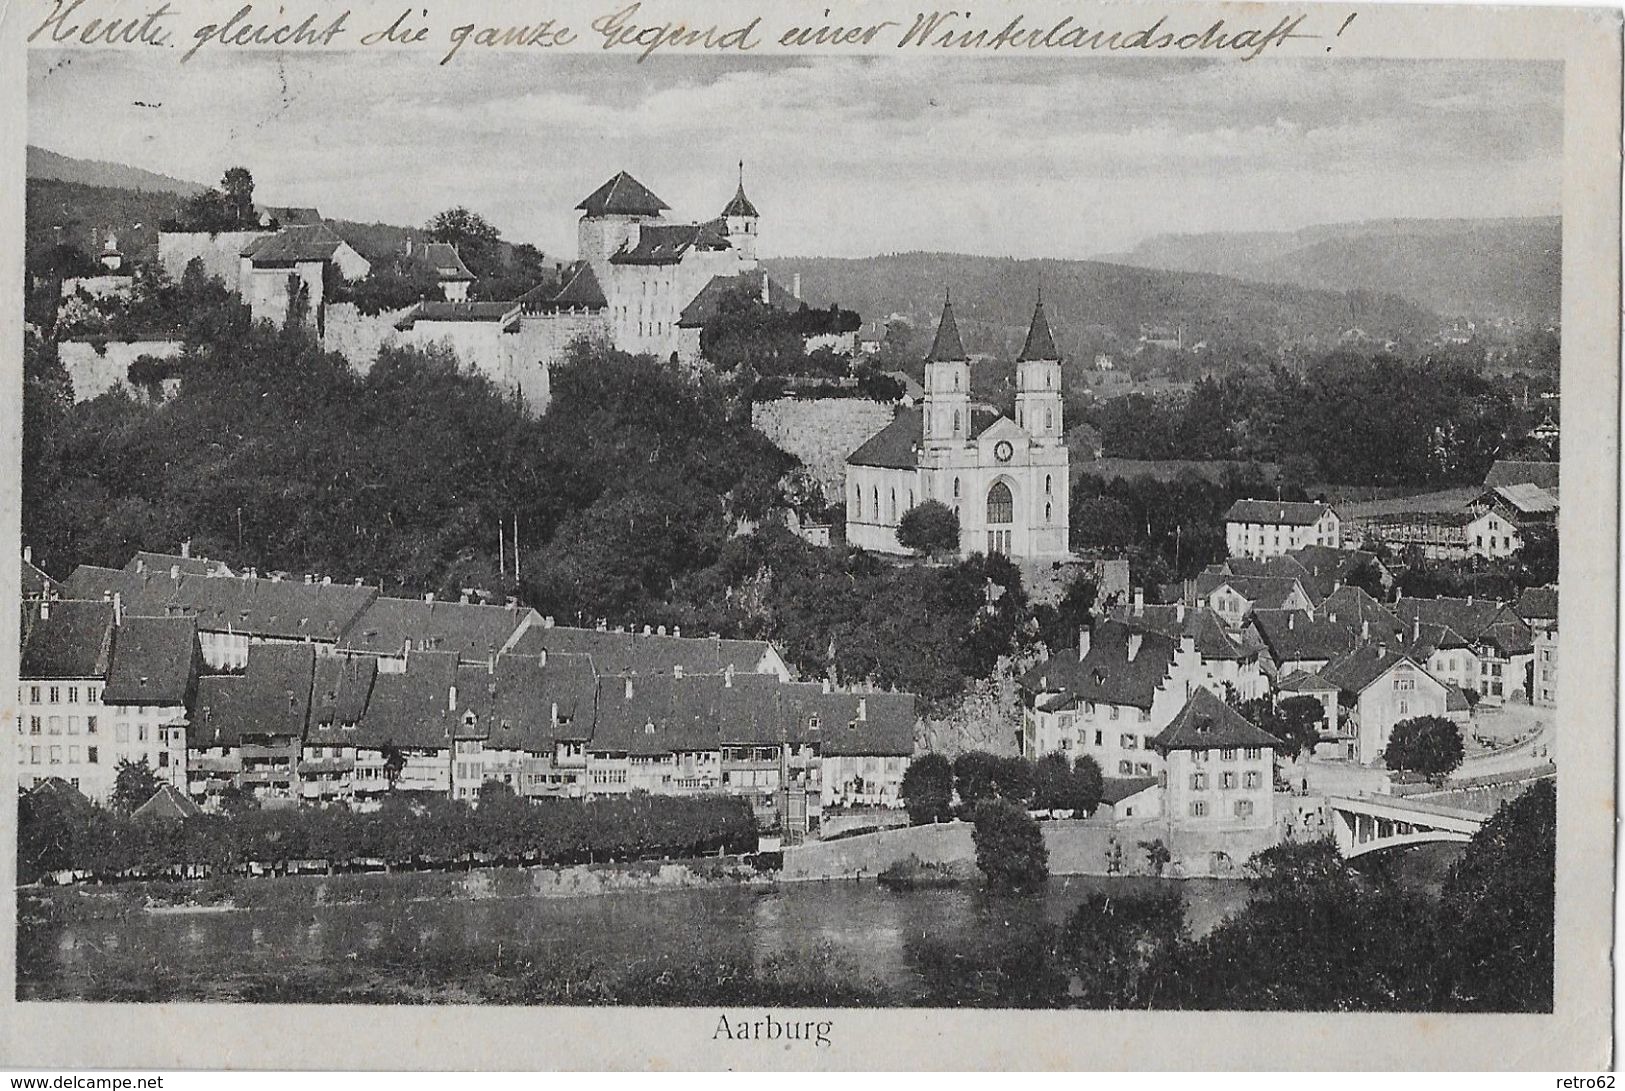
[(843, 157)]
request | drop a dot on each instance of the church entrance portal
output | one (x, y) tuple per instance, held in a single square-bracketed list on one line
[(1001, 513)]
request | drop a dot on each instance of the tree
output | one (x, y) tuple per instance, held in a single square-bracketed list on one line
[(238, 186), (1060, 785), (133, 784), (930, 527), (1498, 909), (460, 227), (1085, 789), (974, 773), (1295, 721), (1157, 855), (235, 800), (394, 763), (1114, 945), (928, 789), (1430, 745), (1009, 848)]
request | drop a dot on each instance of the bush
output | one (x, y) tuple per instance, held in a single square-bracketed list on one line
[(928, 789), (1010, 848), (931, 527)]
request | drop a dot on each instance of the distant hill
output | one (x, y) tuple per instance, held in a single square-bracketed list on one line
[(1094, 306), (80, 215), (1478, 268), (46, 164)]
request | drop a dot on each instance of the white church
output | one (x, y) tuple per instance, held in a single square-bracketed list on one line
[(1005, 479)]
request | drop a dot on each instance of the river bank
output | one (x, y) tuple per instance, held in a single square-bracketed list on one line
[(86, 901)]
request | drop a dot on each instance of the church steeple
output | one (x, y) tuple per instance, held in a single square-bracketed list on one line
[(947, 345), (947, 384), (1038, 381), (1040, 344)]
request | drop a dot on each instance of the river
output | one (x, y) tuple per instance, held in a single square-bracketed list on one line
[(451, 949)]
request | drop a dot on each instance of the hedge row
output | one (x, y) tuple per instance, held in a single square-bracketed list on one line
[(429, 833)]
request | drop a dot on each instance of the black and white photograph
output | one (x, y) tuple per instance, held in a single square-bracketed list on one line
[(755, 532)]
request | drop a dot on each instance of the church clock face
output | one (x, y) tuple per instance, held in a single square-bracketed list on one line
[(1003, 451)]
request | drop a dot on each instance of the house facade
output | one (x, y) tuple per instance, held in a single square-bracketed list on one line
[(1269, 528), (1220, 768)]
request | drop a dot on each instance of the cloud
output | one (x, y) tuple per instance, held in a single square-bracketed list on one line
[(844, 156)]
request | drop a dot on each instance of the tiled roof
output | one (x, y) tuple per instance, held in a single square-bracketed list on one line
[(655, 714), (703, 307), (1526, 498), (1475, 619), (1106, 675), (622, 195), (863, 724), (1207, 723), (143, 561), (895, 446), (1354, 604), (447, 264), (581, 289), (341, 688), (740, 205), (645, 653), (1537, 603), (1283, 512), (1040, 345), (58, 792), (303, 242), (665, 244), (507, 314), (290, 216), (155, 662), (272, 697), (1353, 672), (1263, 592), (1116, 789), (387, 626), (1302, 681), (73, 640), (946, 345), (1327, 569), (283, 609), (35, 583), (412, 710), (1213, 641), (167, 804), (1295, 635), (1544, 474)]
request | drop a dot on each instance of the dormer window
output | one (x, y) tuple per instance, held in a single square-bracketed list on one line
[(813, 723)]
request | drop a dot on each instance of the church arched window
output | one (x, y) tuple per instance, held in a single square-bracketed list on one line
[(875, 496), (1049, 419), (956, 422), (1048, 481), (892, 514), (1001, 506), (956, 488), (1020, 418), (1046, 512), (956, 380)]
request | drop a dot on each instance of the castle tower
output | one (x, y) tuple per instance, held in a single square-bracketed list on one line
[(611, 217), (947, 384), (741, 221), (1038, 382)]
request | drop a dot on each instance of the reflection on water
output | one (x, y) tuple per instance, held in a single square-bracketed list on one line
[(867, 931)]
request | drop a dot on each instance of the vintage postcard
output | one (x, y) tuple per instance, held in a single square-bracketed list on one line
[(664, 534)]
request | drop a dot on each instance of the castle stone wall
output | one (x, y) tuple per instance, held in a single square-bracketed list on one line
[(822, 432)]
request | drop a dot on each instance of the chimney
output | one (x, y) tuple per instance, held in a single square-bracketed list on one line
[(309, 579), (1179, 612), (186, 548), (1139, 601), (44, 609), (358, 581), (728, 677), (1083, 642), (828, 687), (543, 658), (118, 608), (1292, 620), (28, 554), (795, 285), (174, 571), (1134, 640), (677, 630), (327, 581), (1469, 600), (548, 622), (677, 671), (647, 631), (555, 714), (1365, 630), (451, 699), (767, 296), (1416, 629), (863, 708), (661, 630), (628, 696), (428, 597), (140, 565), (490, 664)]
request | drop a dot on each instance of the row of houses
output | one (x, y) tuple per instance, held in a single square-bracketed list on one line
[(310, 691), (1454, 524)]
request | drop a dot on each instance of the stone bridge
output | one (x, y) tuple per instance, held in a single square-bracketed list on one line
[(1363, 824)]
